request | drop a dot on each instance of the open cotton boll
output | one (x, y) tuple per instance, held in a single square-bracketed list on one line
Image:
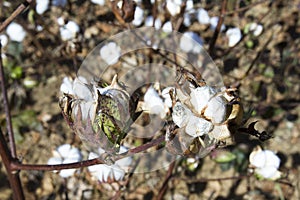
[(202, 16), (68, 31), (266, 164), (138, 16), (256, 28), (234, 35), (197, 126), (41, 6), (190, 42), (3, 40), (167, 27), (67, 86), (153, 103), (214, 22), (173, 6), (15, 32), (110, 53), (180, 114), (216, 109), (99, 2), (149, 22), (200, 97)]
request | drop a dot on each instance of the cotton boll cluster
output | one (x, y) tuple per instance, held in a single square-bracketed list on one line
[(265, 164), (65, 154), (206, 101), (108, 173)]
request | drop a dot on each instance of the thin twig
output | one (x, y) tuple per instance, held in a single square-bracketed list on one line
[(7, 111), (212, 42), (20, 9), (15, 166), (13, 178), (164, 187)]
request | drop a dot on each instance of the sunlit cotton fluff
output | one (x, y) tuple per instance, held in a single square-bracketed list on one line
[(115, 172), (41, 6), (190, 42), (15, 32), (138, 16), (69, 30), (110, 53), (202, 16), (65, 154), (153, 103), (234, 35), (3, 40), (173, 6), (99, 2), (266, 164), (214, 22)]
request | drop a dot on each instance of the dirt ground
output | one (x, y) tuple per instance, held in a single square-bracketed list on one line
[(265, 69)]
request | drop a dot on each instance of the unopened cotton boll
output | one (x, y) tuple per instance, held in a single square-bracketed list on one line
[(15, 32)]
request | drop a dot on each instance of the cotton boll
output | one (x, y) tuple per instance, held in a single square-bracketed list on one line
[(181, 114), (197, 126), (256, 28), (138, 16), (190, 42), (202, 16), (200, 97), (216, 109), (110, 53), (15, 32), (3, 40), (234, 35), (173, 6), (99, 2), (214, 22), (153, 103), (41, 6), (149, 22), (167, 27)]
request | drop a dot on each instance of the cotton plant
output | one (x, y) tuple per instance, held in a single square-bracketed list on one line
[(110, 53), (65, 154), (234, 35), (109, 173), (265, 164), (15, 32)]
